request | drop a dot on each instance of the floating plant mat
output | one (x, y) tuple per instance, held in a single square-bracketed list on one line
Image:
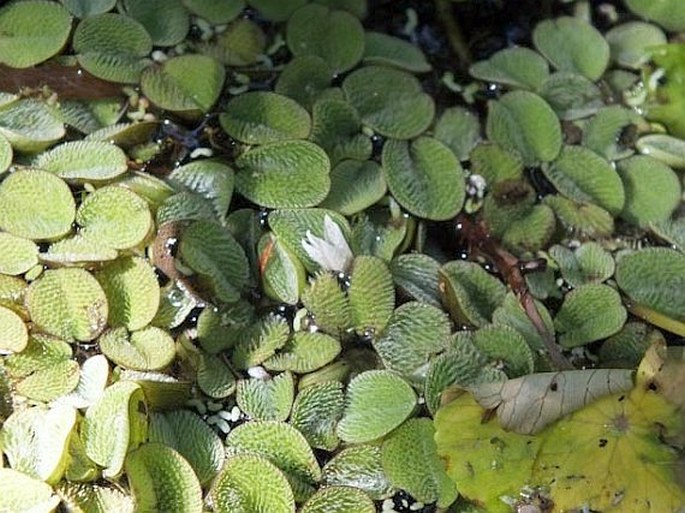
[(309, 256)]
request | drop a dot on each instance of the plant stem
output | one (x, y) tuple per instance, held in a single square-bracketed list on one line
[(443, 10)]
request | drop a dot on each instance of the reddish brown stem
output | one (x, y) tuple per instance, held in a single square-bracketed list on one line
[(479, 240)]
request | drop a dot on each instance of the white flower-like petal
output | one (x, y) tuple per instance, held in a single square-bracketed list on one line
[(332, 252)]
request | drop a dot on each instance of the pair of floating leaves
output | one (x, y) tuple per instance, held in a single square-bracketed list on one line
[(589, 263)]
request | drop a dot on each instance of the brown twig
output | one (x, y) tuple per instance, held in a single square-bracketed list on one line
[(69, 82), (478, 238)]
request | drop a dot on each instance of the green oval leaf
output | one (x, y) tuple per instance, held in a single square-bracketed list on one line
[(168, 29), (371, 295), (132, 292), (388, 50), (260, 117), (377, 402), (355, 186), (112, 46), (214, 254), (335, 36), (68, 303), (23, 494), (266, 400), (459, 130), (665, 148), (653, 190), (305, 352), (251, 483), (582, 175), (30, 125), (32, 32), (411, 461), (148, 349), (390, 101), (162, 480), (14, 333), (288, 174), (336, 127), (524, 122), (84, 161), (359, 466), (425, 177), (36, 205), (518, 67), (415, 332), (17, 255), (316, 411), (187, 83), (667, 13), (117, 422), (335, 499), (572, 44), (590, 312), (630, 43), (505, 348), (471, 293), (589, 263), (114, 217), (188, 434), (654, 278)]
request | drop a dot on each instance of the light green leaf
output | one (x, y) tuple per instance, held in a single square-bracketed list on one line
[(91, 384), (590, 312), (112, 46), (416, 275), (287, 174), (572, 44), (187, 83), (518, 67), (654, 278), (582, 175), (23, 494), (371, 295), (377, 402), (470, 292), (630, 43), (425, 177), (162, 480), (14, 333), (667, 13), (524, 122), (283, 275), (215, 11), (281, 444), (214, 377), (211, 179), (384, 49), (32, 32), (35, 441), (459, 130), (251, 483), (188, 434), (241, 44), (338, 500), (114, 217), (410, 460), (150, 348), (589, 263), (84, 161), (68, 303), (389, 101), (260, 342), (17, 255), (328, 304), (582, 219), (168, 29), (336, 127), (85, 8), (266, 400), (305, 352), (261, 117), (653, 190), (355, 186), (132, 292), (665, 148), (117, 422), (94, 498), (415, 332), (304, 78), (571, 95), (505, 348), (335, 36), (36, 205), (217, 258), (77, 250), (604, 132), (30, 125), (359, 466), (316, 411)]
